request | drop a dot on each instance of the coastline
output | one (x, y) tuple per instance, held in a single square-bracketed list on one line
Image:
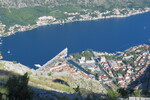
[(62, 21)]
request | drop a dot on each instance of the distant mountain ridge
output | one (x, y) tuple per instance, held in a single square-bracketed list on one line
[(87, 3), (22, 15)]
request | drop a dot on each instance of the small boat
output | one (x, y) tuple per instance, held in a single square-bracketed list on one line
[(37, 65), (8, 51)]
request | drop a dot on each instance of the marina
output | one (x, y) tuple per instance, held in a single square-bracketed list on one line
[(54, 61)]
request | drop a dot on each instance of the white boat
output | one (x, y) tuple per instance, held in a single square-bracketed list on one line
[(8, 51), (37, 65)]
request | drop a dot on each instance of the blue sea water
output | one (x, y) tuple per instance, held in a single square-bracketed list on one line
[(41, 44)]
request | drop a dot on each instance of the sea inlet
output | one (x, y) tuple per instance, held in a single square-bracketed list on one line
[(109, 35)]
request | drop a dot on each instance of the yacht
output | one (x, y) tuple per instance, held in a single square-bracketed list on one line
[(37, 65)]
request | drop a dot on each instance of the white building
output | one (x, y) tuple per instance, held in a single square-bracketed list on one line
[(82, 60), (92, 61), (103, 59)]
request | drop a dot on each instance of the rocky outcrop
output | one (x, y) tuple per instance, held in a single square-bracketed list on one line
[(40, 79), (14, 67)]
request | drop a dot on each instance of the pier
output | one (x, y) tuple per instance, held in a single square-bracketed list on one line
[(61, 56)]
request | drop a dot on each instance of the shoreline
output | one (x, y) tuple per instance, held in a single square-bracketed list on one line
[(101, 52), (31, 27)]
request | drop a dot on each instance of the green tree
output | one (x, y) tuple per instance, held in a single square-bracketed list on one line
[(96, 76), (121, 71), (131, 91), (87, 55), (18, 88), (137, 93), (1, 96), (77, 90), (49, 74), (122, 92), (112, 95)]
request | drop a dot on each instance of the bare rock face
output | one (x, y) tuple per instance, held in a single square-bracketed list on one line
[(14, 67), (89, 3)]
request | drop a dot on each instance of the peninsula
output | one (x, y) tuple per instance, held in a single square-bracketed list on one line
[(93, 71)]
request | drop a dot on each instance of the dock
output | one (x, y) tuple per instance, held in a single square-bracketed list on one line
[(62, 55)]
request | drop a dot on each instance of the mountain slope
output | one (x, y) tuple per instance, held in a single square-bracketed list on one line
[(48, 81), (22, 15), (87, 3)]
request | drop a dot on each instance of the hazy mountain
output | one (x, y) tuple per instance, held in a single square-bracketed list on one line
[(52, 3), (27, 12)]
